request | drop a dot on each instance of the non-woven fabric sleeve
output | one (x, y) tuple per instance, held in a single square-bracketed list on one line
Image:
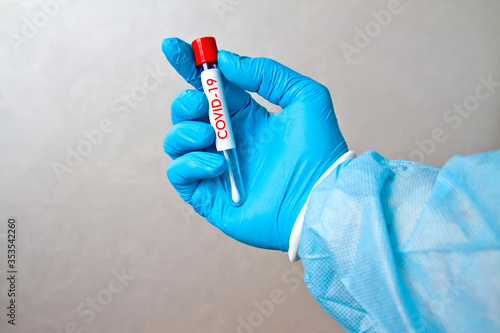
[(398, 246)]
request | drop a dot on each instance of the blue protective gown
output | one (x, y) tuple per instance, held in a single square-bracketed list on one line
[(397, 246)]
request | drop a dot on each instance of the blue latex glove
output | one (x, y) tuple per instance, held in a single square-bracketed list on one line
[(281, 155)]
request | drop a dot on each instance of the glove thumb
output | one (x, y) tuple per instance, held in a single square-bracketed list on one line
[(273, 81)]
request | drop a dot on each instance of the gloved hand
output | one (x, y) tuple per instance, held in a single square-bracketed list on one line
[(281, 155)]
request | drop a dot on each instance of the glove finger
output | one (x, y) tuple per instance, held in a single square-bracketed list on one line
[(186, 171), (273, 81), (180, 55), (189, 105), (188, 136)]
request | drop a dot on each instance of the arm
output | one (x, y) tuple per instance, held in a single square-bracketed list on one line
[(399, 246), (387, 245)]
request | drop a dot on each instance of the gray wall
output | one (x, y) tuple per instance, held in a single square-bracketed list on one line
[(113, 210)]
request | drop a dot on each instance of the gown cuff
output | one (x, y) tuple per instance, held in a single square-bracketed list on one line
[(293, 250)]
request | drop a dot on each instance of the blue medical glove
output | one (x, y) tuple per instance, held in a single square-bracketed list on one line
[(281, 155)]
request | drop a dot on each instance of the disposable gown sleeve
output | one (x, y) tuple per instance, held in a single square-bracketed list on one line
[(397, 246)]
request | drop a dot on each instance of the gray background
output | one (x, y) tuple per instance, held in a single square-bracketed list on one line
[(116, 210)]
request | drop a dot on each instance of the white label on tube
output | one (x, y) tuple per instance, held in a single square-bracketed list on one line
[(218, 113)]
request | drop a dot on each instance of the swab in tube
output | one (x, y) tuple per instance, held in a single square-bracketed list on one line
[(205, 55)]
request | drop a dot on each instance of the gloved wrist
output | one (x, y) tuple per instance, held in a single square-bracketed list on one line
[(293, 250), (298, 188)]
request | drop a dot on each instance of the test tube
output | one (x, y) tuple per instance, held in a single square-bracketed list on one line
[(205, 55)]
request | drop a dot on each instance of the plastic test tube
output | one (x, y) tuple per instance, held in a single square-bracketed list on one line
[(205, 55)]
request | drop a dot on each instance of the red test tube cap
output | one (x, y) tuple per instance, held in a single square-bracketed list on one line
[(205, 50)]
